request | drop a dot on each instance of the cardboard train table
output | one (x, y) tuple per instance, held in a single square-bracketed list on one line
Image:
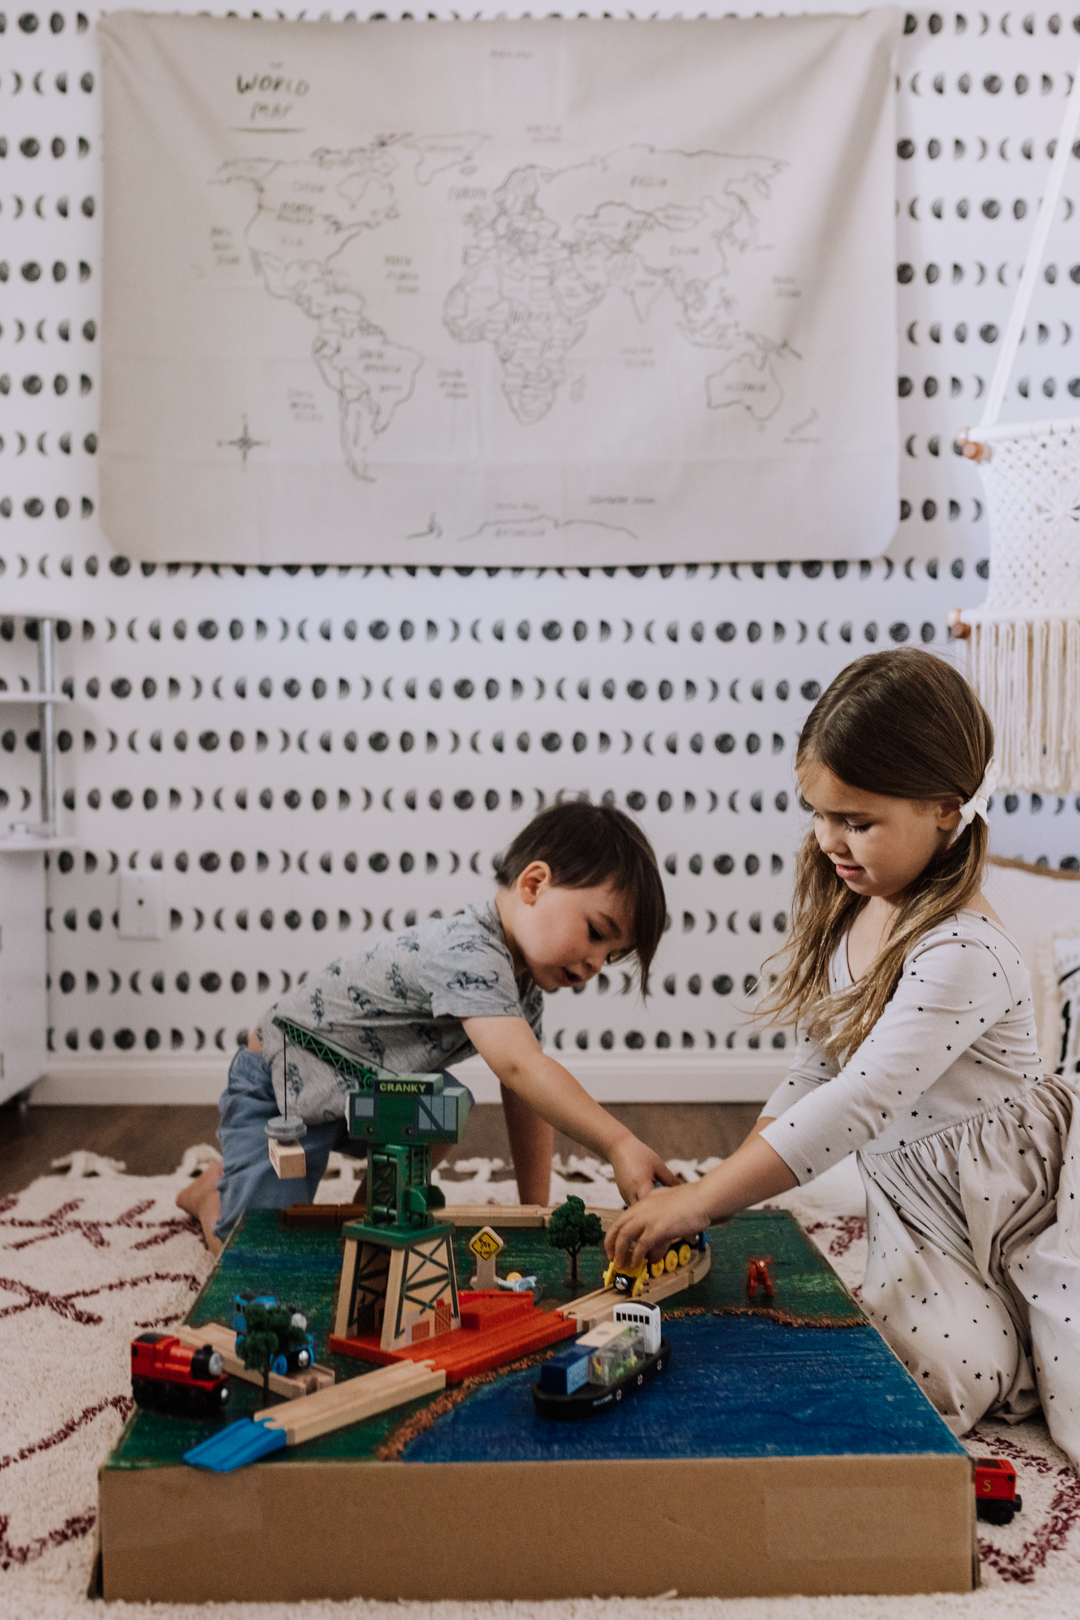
[(785, 1449)]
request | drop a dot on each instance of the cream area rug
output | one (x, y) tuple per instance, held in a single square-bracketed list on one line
[(90, 1256)]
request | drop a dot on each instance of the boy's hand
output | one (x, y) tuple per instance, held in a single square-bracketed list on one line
[(650, 1226), (509, 1048), (637, 1168)]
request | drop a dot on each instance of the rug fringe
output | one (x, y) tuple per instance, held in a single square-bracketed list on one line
[(84, 1163)]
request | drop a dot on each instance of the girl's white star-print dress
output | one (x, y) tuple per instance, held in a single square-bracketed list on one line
[(972, 1180)]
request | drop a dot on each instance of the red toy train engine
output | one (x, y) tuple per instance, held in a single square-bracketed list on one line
[(996, 1500), (170, 1376)]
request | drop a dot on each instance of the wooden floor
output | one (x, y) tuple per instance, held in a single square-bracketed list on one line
[(151, 1141)]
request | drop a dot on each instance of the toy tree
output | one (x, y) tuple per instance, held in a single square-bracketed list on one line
[(269, 1332), (572, 1229)]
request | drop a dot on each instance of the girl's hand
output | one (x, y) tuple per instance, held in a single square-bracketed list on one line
[(637, 1168), (644, 1231)]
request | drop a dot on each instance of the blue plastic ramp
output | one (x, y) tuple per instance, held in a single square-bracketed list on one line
[(241, 1443)]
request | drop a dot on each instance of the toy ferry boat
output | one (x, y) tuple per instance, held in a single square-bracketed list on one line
[(615, 1359), (589, 1399)]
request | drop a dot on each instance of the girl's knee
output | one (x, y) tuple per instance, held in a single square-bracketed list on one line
[(966, 1367)]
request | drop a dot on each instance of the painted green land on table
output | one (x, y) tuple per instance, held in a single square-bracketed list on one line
[(808, 1291), (302, 1268)]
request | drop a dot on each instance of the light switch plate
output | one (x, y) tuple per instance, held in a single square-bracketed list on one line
[(141, 905)]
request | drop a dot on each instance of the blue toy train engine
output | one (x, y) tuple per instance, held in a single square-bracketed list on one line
[(297, 1360)]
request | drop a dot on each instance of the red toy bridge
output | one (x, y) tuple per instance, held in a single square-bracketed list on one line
[(495, 1328)]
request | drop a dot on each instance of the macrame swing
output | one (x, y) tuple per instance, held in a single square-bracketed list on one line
[(1024, 644)]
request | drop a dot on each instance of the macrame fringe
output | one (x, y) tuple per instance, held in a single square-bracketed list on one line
[(1027, 675)]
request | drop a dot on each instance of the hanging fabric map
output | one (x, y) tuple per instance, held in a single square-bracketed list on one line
[(536, 293)]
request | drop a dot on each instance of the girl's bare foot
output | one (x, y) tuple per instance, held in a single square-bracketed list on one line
[(200, 1198)]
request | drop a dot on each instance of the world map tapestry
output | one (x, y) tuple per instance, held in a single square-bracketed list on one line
[(521, 293)]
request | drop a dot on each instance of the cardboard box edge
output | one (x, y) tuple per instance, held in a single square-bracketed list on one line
[(297, 1530)]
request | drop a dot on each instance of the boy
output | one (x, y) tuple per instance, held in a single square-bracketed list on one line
[(577, 889)]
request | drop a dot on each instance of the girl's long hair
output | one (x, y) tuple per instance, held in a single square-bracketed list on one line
[(906, 725)]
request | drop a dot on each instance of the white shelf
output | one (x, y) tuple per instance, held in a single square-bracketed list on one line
[(26, 841), (30, 844), (35, 697)]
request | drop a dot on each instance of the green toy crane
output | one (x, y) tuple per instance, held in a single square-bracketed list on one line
[(399, 1118), (398, 1277)]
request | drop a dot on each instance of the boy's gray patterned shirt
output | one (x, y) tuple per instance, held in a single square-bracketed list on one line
[(399, 1006)]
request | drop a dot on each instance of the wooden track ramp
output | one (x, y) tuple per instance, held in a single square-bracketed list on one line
[(349, 1402)]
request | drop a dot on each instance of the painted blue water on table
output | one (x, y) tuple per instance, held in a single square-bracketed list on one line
[(737, 1386)]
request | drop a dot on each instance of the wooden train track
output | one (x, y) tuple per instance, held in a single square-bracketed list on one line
[(293, 1386), (598, 1307), (333, 1407), (349, 1402), (330, 1216), (316, 1405), (511, 1215)]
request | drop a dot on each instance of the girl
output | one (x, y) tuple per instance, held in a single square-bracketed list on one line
[(917, 1051)]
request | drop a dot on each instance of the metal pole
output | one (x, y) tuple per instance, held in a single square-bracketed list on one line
[(46, 728)]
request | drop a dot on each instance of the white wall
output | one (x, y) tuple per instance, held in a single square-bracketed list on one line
[(271, 823)]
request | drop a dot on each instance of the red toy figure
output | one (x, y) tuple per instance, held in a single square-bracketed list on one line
[(758, 1276), (995, 1490)]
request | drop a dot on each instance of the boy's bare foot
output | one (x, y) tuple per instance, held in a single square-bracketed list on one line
[(200, 1198)]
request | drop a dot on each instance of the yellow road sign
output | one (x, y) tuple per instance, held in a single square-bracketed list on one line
[(486, 1244)]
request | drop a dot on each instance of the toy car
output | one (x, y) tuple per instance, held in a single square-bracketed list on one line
[(297, 1360), (515, 1283), (996, 1500), (170, 1376)]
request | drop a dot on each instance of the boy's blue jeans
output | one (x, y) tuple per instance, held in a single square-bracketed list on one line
[(248, 1180)]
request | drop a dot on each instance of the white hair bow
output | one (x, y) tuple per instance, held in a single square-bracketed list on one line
[(978, 804)]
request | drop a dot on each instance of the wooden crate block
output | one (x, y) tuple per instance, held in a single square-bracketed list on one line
[(288, 1159)]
